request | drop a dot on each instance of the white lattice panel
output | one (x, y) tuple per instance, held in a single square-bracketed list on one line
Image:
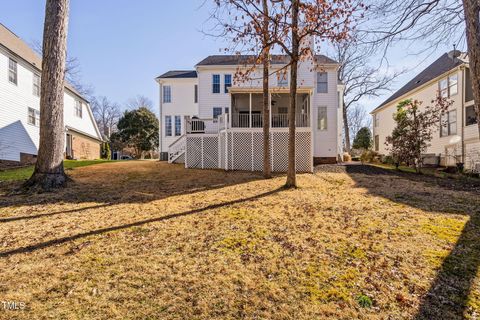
[(303, 152), (257, 152), (210, 152), (279, 151), (222, 149), (194, 152), (242, 151)]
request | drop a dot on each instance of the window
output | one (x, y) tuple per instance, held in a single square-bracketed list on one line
[(322, 82), (227, 82), (33, 117), (448, 123), (167, 94), (452, 85), (178, 126), (443, 88), (376, 120), (282, 110), (78, 108), (282, 79), (448, 87), (195, 94), (12, 71), (36, 85), (226, 110), (168, 126), (322, 118), (377, 143), (470, 117), (217, 112), (216, 83)]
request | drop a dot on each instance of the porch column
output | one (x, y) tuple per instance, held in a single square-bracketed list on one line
[(250, 112)]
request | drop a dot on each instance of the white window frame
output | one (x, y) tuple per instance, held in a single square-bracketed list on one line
[(214, 84), (33, 117), (36, 85), (12, 71), (452, 84), (78, 109), (446, 123), (179, 127), (168, 126), (167, 94), (322, 118), (226, 84), (325, 82), (282, 79)]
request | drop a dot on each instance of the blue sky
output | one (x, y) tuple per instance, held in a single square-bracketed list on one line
[(122, 45)]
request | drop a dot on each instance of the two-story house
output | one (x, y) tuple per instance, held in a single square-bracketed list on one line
[(456, 138), (20, 76), (209, 118)]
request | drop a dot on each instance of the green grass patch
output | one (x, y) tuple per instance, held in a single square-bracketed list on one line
[(448, 229), (25, 172)]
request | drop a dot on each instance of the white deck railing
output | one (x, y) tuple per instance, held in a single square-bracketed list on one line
[(208, 126)]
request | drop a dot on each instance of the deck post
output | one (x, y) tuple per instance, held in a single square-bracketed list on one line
[(250, 111)]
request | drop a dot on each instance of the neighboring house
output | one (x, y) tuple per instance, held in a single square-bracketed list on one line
[(20, 107), (210, 120), (457, 140)]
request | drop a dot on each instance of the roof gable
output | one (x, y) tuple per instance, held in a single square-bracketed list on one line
[(440, 66), (233, 60)]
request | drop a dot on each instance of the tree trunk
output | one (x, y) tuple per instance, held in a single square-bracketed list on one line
[(346, 128), (291, 173), (471, 11), (49, 173), (267, 168)]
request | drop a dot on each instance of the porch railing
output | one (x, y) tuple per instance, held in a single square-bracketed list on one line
[(209, 126)]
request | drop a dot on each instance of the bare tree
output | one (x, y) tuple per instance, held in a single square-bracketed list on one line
[(361, 78), (73, 73), (472, 22), (106, 114), (139, 102), (357, 119), (49, 172), (429, 24)]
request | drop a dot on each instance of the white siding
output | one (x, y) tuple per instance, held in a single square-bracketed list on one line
[(182, 104), (438, 145), (16, 135), (326, 143)]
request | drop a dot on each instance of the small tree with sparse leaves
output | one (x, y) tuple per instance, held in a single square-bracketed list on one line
[(414, 130)]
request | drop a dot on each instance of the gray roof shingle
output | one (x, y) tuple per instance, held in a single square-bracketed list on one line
[(231, 60), (437, 68), (178, 74)]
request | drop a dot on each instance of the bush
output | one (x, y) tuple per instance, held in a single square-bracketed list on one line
[(347, 157), (105, 151), (388, 160), (369, 156)]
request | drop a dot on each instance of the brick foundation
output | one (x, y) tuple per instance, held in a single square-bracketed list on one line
[(324, 160)]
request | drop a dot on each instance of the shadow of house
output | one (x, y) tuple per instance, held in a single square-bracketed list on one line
[(14, 140), (448, 295)]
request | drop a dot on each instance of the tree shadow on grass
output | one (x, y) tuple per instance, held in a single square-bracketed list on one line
[(102, 188), (41, 245), (450, 292)]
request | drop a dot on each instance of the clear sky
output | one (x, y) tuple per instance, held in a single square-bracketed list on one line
[(122, 45)]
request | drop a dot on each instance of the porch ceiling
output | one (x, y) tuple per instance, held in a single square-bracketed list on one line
[(272, 90)]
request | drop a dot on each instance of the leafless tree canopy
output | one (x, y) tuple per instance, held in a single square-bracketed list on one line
[(106, 114), (138, 102), (433, 22)]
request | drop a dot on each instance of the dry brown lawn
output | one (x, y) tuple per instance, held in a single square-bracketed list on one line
[(149, 240)]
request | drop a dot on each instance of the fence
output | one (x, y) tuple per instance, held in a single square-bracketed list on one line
[(243, 150)]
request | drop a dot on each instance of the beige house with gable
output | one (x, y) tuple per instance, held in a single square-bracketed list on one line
[(458, 140)]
